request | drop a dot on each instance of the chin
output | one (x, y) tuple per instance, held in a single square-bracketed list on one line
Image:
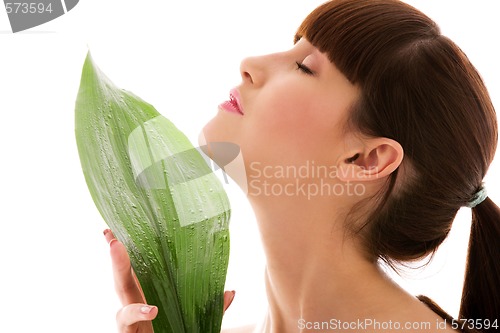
[(214, 140), (218, 129), (208, 133)]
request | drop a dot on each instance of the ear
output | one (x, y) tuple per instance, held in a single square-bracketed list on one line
[(375, 158)]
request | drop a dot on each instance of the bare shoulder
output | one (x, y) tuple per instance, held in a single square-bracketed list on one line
[(242, 329)]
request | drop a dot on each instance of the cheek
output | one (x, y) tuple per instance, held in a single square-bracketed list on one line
[(293, 126)]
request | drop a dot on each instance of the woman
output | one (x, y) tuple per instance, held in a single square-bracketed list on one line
[(396, 131)]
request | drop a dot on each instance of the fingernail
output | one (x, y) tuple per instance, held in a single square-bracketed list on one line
[(146, 309), (105, 232)]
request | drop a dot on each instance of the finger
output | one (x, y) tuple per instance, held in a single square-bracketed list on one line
[(108, 234), (228, 298), (127, 288), (128, 317)]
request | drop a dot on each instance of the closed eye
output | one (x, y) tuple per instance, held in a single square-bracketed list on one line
[(303, 68)]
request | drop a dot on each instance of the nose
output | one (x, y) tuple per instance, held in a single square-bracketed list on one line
[(252, 70)]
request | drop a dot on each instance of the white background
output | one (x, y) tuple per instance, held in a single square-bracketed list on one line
[(183, 57)]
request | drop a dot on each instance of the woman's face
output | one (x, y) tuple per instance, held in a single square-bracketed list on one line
[(293, 107)]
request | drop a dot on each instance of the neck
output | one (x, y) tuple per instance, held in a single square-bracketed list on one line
[(314, 272)]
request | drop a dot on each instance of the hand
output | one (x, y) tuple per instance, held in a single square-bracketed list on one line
[(135, 316)]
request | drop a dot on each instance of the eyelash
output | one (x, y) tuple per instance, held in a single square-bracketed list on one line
[(303, 68)]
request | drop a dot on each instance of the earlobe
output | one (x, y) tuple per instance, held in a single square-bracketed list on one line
[(377, 159)]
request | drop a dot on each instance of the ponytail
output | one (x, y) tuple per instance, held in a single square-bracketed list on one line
[(481, 291)]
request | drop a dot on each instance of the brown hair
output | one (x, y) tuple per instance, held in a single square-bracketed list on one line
[(418, 88)]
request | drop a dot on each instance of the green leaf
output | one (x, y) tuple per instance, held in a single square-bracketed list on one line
[(160, 198)]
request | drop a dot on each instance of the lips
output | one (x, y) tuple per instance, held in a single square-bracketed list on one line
[(233, 105)]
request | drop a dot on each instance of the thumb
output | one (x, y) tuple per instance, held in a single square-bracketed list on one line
[(129, 317)]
